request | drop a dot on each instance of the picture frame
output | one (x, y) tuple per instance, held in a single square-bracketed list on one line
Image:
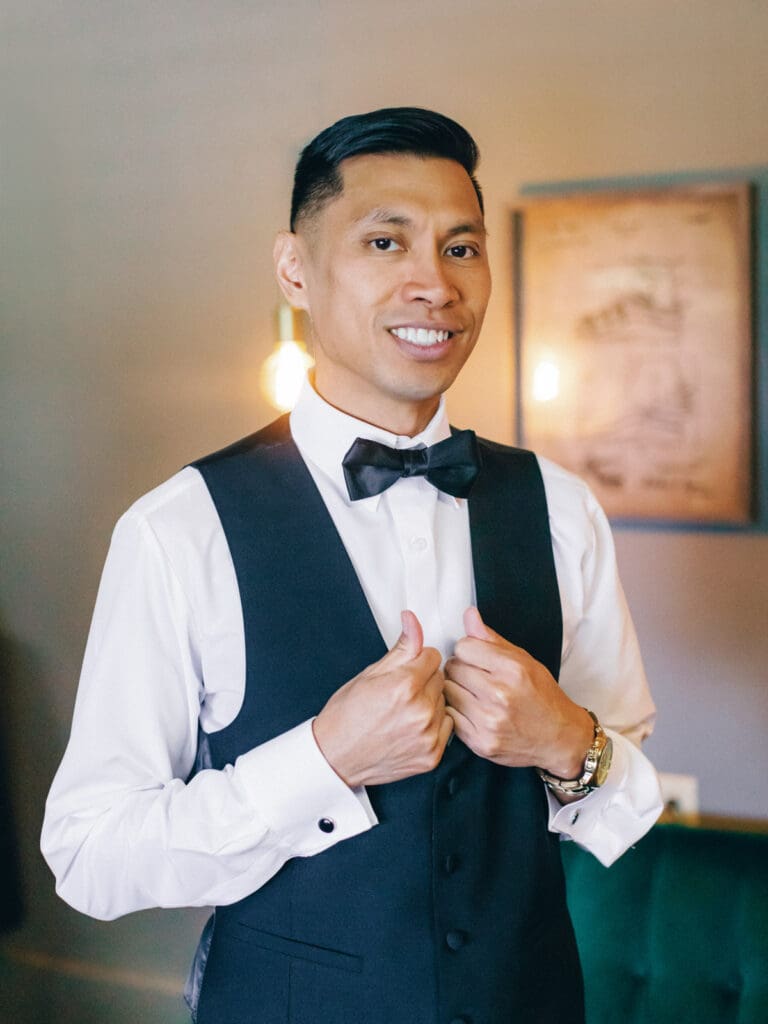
[(637, 359)]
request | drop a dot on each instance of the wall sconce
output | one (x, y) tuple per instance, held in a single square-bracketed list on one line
[(284, 370)]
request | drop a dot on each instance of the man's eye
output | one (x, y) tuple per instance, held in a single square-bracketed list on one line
[(462, 252), (384, 244)]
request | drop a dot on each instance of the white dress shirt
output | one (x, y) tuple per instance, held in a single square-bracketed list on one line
[(123, 829)]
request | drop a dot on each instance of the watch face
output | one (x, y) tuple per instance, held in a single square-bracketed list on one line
[(604, 764)]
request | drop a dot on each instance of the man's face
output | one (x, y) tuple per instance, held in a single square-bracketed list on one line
[(395, 277)]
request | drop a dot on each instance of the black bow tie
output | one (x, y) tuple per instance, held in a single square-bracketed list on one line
[(450, 465)]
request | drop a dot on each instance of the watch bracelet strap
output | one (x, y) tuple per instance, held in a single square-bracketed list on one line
[(583, 784)]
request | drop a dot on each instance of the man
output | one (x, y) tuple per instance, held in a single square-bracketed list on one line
[(378, 827)]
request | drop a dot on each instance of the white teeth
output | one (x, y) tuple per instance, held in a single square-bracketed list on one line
[(420, 335)]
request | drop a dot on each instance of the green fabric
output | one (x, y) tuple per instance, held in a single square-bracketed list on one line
[(676, 930)]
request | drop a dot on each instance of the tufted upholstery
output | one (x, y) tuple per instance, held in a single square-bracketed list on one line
[(676, 930)]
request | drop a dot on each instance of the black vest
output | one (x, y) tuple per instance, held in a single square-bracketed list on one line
[(452, 909)]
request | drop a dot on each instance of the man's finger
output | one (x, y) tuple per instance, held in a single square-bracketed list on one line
[(478, 630), (490, 655), (411, 640), (433, 688), (474, 625), (470, 677), (446, 728), (460, 701), (461, 725)]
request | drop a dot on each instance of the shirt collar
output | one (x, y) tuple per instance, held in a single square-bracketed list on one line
[(324, 435)]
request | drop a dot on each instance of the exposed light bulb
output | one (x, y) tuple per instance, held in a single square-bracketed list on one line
[(284, 370), (546, 381), (283, 373)]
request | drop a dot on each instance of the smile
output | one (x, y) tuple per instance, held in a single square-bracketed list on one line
[(422, 336)]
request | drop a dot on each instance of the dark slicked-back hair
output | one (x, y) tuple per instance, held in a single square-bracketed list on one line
[(408, 130)]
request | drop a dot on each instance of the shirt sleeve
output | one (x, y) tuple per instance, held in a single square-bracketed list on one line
[(602, 670), (123, 830)]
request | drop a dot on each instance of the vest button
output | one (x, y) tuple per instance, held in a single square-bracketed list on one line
[(326, 825), (453, 786), (451, 863), (455, 940)]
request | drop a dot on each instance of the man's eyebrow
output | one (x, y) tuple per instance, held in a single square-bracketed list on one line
[(472, 227), (384, 215)]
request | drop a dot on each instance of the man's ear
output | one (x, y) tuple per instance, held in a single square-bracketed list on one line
[(289, 269)]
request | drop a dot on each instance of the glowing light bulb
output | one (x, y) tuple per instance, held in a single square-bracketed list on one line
[(546, 381), (283, 371)]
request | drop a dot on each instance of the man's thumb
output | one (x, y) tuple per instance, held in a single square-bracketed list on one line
[(411, 640), (475, 627)]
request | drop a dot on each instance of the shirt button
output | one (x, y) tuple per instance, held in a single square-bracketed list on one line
[(326, 825), (450, 863), (575, 817), (455, 940), (419, 543)]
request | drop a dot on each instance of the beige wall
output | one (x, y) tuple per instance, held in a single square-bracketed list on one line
[(146, 157)]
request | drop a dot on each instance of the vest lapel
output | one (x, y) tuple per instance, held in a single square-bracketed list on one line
[(514, 567), (301, 598)]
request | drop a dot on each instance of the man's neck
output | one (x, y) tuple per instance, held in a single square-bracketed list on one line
[(406, 419)]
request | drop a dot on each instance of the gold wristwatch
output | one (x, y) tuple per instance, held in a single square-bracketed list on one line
[(596, 765)]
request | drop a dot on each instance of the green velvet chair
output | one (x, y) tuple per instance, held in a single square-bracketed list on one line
[(676, 931)]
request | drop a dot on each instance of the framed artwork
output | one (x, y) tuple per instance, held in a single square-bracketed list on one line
[(635, 347)]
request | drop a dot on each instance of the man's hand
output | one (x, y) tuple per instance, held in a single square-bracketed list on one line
[(507, 707), (390, 721)]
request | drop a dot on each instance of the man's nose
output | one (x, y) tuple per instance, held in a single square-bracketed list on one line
[(430, 280)]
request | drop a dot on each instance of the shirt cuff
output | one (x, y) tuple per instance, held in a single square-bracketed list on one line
[(292, 788), (610, 819)]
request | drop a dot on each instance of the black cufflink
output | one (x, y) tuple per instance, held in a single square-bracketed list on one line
[(326, 825)]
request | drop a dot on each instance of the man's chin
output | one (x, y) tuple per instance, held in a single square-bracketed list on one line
[(427, 381)]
